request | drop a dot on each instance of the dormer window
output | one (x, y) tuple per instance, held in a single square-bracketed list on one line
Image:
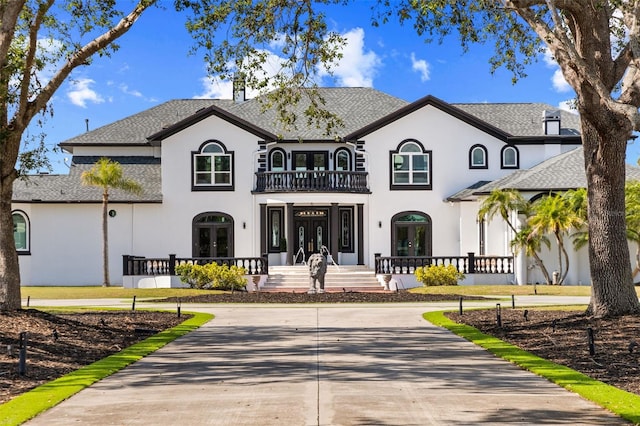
[(478, 157), (410, 166), (212, 168), (510, 158)]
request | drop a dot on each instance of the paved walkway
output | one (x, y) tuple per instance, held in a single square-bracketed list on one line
[(323, 365)]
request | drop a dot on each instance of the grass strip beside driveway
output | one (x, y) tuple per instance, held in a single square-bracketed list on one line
[(622, 403), (43, 397)]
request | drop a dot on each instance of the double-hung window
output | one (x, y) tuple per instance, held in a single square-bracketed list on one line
[(212, 167), (410, 166)]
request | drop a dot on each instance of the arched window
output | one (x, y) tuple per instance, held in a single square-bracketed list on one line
[(410, 166), (277, 161), (478, 157), (212, 167), (510, 157), (342, 160), (21, 231)]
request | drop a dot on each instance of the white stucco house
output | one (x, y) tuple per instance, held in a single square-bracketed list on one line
[(222, 179)]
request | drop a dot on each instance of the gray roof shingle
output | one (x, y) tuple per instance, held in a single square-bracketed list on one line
[(559, 173), (69, 189)]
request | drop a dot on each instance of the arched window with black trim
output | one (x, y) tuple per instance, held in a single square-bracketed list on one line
[(478, 157), (277, 160), (212, 167), (342, 160), (411, 166), (510, 157), (21, 231)]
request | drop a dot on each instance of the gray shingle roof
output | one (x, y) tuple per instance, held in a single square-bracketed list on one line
[(559, 173), (68, 188), (521, 119), (136, 128)]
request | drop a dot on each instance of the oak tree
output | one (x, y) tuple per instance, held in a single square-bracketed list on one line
[(38, 36)]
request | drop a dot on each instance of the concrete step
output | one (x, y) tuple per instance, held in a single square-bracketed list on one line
[(338, 278)]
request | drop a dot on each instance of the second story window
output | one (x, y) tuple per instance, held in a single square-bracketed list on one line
[(478, 157), (510, 157), (277, 161), (410, 166), (342, 160), (212, 167)]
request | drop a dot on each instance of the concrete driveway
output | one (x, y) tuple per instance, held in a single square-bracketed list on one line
[(323, 365)]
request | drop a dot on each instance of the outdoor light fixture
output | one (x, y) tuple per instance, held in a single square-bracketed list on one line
[(244, 225), (379, 224)]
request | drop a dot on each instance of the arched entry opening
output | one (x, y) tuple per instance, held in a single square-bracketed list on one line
[(411, 234), (212, 235)]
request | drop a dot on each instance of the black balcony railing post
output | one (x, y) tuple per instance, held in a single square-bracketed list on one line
[(471, 262), (172, 264), (125, 264)]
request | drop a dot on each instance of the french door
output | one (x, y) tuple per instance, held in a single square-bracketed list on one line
[(411, 235), (212, 236)]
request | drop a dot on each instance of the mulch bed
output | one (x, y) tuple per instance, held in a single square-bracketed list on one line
[(59, 344), (562, 337)]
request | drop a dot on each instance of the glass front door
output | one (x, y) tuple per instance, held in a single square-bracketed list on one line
[(411, 235), (311, 231), (212, 235)]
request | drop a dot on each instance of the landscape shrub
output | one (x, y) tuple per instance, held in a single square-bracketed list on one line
[(212, 276), (436, 275)]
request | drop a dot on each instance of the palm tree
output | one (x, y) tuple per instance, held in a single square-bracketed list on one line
[(503, 202), (556, 214), (107, 174), (531, 245)]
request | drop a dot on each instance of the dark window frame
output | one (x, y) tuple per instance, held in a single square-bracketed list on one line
[(502, 154), (411, 186), (275, 248), (27, 221), (212, 187), (349, 246), (486, 157)]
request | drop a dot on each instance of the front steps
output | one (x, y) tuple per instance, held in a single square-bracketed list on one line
[(343, 278)]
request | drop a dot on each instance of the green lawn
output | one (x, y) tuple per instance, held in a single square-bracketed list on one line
[(106, 292), (502, 290), (127, 293)]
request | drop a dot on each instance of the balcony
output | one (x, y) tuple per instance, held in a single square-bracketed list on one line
[(312, 181)]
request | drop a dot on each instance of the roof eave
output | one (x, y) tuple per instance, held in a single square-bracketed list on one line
[(437, 103), (156, 138)]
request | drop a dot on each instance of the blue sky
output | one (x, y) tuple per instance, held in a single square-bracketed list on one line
[(153, 66)]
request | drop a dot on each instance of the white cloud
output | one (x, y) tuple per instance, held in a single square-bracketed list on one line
[(357, 67), (125, 89), (80, 93), (421, 67), (560, 85), (215, 88)]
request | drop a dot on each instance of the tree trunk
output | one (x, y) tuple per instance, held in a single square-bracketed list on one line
[(105, 239), (605, 136), (9, 267)]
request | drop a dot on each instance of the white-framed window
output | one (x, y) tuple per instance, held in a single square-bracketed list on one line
[(212, 167), (342, 161), (410, 166), (21, 231), (510, 157), (478, 157), (277, 161)]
